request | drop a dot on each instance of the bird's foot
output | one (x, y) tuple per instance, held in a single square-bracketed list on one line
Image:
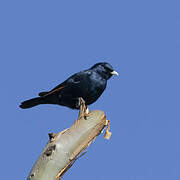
[(84, 110), (86, 113)]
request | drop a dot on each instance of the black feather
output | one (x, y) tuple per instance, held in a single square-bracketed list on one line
[(43, 93), (88, 84), (31, 103)]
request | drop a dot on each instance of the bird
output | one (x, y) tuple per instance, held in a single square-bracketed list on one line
[(88, 85)]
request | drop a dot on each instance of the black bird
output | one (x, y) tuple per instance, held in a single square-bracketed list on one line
[(88, 84)]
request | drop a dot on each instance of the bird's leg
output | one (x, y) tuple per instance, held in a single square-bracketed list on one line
[(83, 110)]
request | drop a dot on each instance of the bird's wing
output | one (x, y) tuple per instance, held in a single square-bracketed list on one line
[(72, 81), (57, 88)]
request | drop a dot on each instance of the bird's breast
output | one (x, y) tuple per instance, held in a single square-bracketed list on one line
[(94, 90)]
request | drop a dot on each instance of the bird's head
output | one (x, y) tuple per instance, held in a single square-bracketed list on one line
[(104, 69)]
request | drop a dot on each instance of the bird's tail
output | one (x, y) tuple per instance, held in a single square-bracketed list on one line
[(32, 102)]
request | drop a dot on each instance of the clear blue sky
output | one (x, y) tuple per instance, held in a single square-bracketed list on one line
[(44, 42)]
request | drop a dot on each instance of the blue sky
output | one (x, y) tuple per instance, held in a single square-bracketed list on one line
[(44, 42)]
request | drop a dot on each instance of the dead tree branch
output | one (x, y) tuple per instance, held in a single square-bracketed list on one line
[(65, 147)]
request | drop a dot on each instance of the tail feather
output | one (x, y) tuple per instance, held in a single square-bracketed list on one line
[(31, 103), (43, 93)]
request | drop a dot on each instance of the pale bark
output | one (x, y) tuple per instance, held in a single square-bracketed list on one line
[(64, 148)]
